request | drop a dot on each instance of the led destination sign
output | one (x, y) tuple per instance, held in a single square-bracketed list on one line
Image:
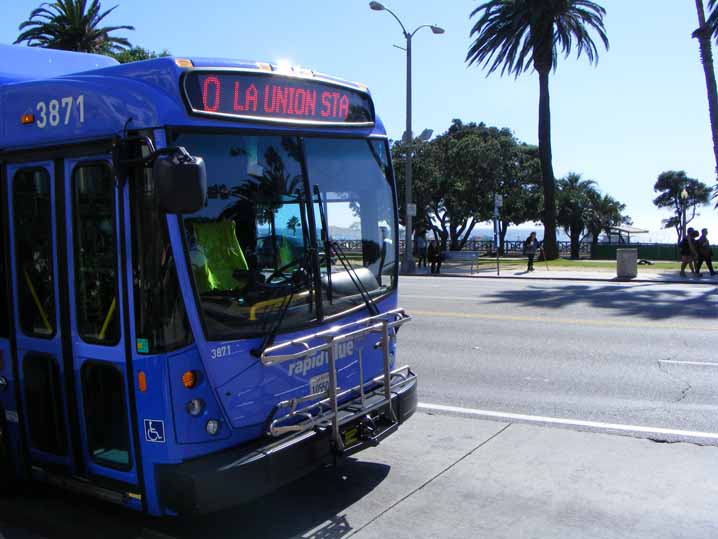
[(276, 98)]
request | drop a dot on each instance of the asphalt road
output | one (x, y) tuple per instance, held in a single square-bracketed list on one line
[(637, 355), (630, 354)]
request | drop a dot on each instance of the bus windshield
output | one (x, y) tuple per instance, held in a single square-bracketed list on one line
[(250, 248)]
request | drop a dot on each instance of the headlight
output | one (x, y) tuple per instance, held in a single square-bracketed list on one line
[(195, 407), (212, 427)]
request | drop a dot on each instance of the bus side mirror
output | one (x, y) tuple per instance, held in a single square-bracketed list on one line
[(180, 181)]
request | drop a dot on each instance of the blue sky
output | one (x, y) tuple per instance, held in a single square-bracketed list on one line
[(641, 111)]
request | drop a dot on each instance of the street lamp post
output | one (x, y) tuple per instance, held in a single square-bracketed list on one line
[(684, 202), (408, 262)]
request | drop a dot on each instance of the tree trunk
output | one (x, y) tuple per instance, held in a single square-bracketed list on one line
[(467, 233), (575, 233), (503, 228), (549, 183), (703, 34)]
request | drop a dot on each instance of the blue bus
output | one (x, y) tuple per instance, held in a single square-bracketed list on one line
[(183, 325)]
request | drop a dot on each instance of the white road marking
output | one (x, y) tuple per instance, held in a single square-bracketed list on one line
[(690, 434), (699, 363)]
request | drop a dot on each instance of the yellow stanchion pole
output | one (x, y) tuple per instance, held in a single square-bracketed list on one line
[(43, 315), (106, 324)]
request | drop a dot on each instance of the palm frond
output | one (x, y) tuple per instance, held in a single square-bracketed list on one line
[(72, 25), (515, 35)]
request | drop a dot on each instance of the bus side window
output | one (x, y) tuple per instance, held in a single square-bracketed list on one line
[(96, 293), (160, 315), (33, 252)]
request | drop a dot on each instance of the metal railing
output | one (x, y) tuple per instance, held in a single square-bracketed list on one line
[(328, 412)]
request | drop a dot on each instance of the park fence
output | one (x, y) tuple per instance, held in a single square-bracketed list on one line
[(511, 248), (601, 251)]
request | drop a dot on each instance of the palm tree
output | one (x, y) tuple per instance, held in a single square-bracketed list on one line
[(605, 212), (519, 34), (707, 28), (703, 34), (293, 223), (72, 26), (574, 207)]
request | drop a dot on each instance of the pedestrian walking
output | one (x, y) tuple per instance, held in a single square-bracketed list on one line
[(421, 248), (531, 245), (433, 253), (703, 249), (688, 252)]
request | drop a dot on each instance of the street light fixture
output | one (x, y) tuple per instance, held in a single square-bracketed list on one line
[(408, 262), (684, 202)]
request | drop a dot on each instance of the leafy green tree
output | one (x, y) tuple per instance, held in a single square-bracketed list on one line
[(137, 54), (72, 25), (519, 34), (424, 180), (457, 173), (455, 177), (521, 192), (574, 205), (604, 213), (473, 159), (670, 185)]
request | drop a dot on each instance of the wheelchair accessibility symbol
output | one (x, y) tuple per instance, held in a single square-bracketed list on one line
[(155, 431)]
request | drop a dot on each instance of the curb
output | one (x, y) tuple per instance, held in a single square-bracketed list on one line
[(570, 278)]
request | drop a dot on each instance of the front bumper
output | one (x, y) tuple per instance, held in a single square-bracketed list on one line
[(232, 477)]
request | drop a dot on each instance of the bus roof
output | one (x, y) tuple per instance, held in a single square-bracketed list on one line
[(18, 63), (52, 97)]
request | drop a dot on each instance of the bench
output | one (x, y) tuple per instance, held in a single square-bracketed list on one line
[(471, 256)]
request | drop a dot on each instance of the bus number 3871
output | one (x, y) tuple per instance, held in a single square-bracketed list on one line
[(60, 111)]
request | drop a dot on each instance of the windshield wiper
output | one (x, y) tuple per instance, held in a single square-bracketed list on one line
[(299, 278), (331, 245), (325, 241)]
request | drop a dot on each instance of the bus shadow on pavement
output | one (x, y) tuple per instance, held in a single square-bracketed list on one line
[(646, 301), (312, 507)]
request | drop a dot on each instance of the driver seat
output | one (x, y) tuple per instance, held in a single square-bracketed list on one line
[(219, 257)]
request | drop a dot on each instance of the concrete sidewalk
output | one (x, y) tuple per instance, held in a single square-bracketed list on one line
[(518, 480), (645, 274), (445, 476)]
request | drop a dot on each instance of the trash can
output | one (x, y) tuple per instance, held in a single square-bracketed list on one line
[(626, 263)]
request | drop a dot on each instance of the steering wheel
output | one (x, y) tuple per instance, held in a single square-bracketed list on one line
[(280, 272)]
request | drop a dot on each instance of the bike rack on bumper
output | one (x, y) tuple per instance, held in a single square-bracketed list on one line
[(318, 427)]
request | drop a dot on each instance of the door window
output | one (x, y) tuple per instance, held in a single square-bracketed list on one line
[(96, 294), (33, 252), (4, 305), (103, 392), (44, 403)]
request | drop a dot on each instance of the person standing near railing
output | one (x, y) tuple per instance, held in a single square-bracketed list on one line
[(434, 256), (531, 245), (689, 255), (421, 249), (703, 249)]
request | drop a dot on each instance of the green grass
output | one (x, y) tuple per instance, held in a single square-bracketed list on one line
[(563, 263)]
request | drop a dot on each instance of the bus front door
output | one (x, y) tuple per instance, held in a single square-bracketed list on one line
[(41, 371), (68, 309)]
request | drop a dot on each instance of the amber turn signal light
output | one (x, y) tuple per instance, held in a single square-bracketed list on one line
[(142, 381), (189, 379)]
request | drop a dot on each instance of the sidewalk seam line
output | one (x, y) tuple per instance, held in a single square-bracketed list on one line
[(431, 479)]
